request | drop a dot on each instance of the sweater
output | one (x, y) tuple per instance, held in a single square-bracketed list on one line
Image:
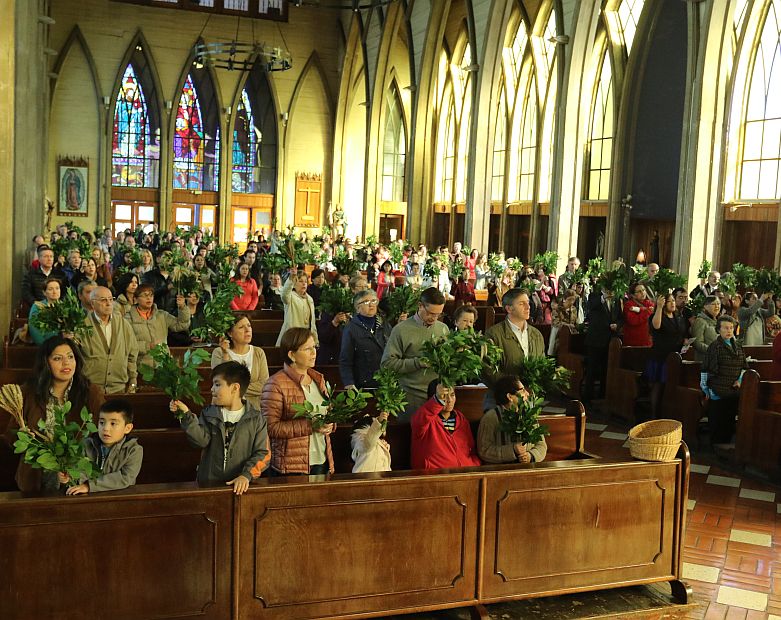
[(370, 451), (248, 300), (494, 446), (724, 364), (402, 355), (704, 333), (299, 311), (258, 374), (248, 450), (752, 322), (433, 447), (120, 468), (112, 368), (636, 333), (150, 333)]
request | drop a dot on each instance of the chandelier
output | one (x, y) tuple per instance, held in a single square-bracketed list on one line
[(238, 55)]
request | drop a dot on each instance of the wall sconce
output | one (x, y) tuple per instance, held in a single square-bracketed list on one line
[(640, 260), (560, 39), (470, 68), (284, 119), (106, 100), (626, 202), (169, 105), (228, 110), (45, 19), (49, 51)]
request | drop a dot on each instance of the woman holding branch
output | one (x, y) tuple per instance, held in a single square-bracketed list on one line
[(236, 347)]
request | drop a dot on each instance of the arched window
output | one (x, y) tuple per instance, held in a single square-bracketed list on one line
[(196, 137), (527, 145), (464, 70), (255, 138), (500, 147), (759, 169), (600, 144), (135, 153), (394, 148), (628, 15)]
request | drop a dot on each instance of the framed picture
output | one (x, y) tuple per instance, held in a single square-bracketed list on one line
[(73, 187)]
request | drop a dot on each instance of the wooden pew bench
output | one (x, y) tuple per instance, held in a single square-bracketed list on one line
[(571, 355), (466, 532), (758, 432), (625, 366)]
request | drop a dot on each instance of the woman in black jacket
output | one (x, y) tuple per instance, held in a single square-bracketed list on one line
[(363, 341)]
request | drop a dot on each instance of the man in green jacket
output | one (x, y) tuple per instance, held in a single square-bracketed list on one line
[(517, 339)]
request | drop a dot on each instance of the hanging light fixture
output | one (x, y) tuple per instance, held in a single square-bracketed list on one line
[(237, 55)]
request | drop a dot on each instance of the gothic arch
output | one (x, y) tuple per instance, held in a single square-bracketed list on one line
[(76, 37)]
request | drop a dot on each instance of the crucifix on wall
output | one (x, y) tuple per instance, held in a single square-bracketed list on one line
[(308, 199)]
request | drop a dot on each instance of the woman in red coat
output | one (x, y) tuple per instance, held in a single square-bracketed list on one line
[(637, 311), (248, 300), (441, 436)]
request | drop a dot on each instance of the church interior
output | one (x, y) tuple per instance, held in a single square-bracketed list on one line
[(641, 130)]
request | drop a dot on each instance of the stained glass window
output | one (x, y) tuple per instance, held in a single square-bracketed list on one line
[(255, 138), (760, 178), (135, 154), (196, 140), (600, 145), (394, 149)]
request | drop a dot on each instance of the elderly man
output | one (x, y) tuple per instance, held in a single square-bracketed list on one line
[(110, 351), (517, 339), (707, 287), (84, 292), (565, 279), (34, 280), (403, 350), (648, 281)]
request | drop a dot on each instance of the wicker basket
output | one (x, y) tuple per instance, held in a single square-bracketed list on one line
[(657, 440)]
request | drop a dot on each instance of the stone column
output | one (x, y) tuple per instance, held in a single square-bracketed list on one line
[(7, 76)]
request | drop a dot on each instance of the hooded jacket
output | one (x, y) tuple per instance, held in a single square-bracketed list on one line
[(248, 452), (121, 465)]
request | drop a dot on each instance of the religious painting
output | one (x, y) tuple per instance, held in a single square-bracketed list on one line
[(308, 198), (73, 187)]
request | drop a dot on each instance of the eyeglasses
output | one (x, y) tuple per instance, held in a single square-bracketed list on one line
[(436, 315), (369, 302)]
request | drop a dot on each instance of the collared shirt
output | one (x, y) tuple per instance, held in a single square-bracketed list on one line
[(522, 335), (448, 423), (105, 327)]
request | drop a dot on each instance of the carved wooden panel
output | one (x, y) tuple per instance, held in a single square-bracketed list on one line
[(309, 189), (117, 556), (354, 547), (572, 530)]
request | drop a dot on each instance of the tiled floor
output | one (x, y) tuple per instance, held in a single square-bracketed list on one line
[(732, 546)]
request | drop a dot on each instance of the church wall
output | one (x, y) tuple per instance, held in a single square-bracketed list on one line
[(7, 74), (108, 28)]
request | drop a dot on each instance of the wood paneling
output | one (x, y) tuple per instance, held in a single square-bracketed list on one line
[(548, 533), (388, 546), (131, 554)]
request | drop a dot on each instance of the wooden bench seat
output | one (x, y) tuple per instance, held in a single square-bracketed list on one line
[(571, 355), (625, 366), (758, 432)]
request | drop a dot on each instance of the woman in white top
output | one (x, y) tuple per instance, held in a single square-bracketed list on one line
[(371, 452), (237, 348), (299, 306)]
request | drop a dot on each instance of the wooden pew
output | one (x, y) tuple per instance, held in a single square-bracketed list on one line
[(758, 433), (571, 355), (625, 365), (485, 315), (465, 531)]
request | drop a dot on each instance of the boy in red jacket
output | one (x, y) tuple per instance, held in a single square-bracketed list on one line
[(441, 437)]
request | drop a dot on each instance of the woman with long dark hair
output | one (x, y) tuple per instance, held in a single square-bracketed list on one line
[(57, 378)]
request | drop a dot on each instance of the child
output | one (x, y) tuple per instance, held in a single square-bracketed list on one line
[(231, 432), (414, 279), (370, 450), (118, 456)]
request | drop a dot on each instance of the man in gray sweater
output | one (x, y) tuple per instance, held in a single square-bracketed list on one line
[(403, 350)]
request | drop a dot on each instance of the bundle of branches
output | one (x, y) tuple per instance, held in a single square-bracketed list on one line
[(728, 285), (455, 266), (337, 407), (522, 420), (615, 280), (745, 276), (345, 265), (529, 285), (128, 264), (63, 316), (696, 304), (549, 260), (639, 272), (402, 299), (336, 299), (496, 265), (372, 240), (705, 269), (72, 227), (185, 281), (542, 377), (515, 264), (178, 382), (430, 269), (390, 396), (596, 266), (218, 317), (273, 263), (58, 448), (459, 357), (293, 249), (221, 260), (396, 254), (666, 280), (571, 278), (63, 245), (767, 281)]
